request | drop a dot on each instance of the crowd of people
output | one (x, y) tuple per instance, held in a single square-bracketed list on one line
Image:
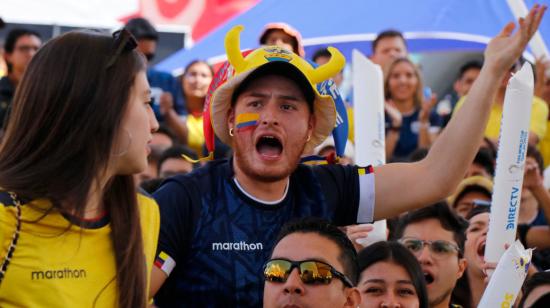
[(110, 197)]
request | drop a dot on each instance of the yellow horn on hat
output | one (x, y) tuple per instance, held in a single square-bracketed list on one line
[(329, 69), (233, 48)]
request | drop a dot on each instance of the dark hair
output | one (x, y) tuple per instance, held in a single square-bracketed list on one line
[(468, 66), (14, 35), (188, 66), (396, 253), (348, 255), (476, 210), (387, 34), (141, 28), (319, 53), (537, 280), (164, 130), (491, 148), (150, 186), (65, 119), (11, 40), (468, 189), (440, 211), (176, 152), (418, 95), (484, 159), (533, 152), (280, 69)]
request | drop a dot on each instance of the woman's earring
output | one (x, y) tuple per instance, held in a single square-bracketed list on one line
[(308, 138), (231, 132)]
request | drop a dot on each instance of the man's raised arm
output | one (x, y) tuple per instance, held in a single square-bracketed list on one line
[(407, 186)]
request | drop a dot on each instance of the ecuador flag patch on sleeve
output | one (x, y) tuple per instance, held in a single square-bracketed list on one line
[(165, 263)]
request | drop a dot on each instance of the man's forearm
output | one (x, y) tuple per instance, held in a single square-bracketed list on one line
[(459, 141)]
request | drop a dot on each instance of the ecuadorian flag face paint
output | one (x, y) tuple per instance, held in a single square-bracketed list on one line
[(247, 121)]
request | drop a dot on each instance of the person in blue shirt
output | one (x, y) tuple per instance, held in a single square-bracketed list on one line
[(219, 223), (410, 122), (163, 85)]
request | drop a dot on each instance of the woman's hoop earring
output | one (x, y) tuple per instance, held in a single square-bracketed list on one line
[(308, 138), (231, 132), (127, 147)]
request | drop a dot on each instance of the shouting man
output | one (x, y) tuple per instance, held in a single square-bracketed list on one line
[(220, 222)]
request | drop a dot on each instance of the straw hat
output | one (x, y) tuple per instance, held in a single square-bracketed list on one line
[(271, 58)]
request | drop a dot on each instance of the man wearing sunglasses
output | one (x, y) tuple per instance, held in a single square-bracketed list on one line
[(435, 235), (313, 264), (219, 223)]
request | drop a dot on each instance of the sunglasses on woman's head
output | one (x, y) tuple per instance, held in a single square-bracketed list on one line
[(310, 271)]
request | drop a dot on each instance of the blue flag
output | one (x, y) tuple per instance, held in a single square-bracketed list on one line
[(340, 131)]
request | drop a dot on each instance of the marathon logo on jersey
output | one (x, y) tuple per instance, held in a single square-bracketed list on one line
[(237, 246), (66, 273), (165, 263)]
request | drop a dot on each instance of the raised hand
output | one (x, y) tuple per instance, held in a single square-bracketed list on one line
[(505, 48), (394, 114), (356, 232), (532, 178), (427, 106), (166, 103)]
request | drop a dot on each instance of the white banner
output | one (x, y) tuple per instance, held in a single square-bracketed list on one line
[(512, 149), (504, 286), (368, 109)]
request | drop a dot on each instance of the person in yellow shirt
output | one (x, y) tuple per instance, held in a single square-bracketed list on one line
[(539, 113), (73, 230), (542, 90), (189, 129)]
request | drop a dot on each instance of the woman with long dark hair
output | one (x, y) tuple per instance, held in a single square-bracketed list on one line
[(73, 230), (390, 277)]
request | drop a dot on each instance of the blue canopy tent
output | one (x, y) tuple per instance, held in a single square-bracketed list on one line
[(428, 25)]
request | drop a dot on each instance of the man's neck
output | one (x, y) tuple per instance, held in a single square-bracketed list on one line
[(266, 191), (477, 286)]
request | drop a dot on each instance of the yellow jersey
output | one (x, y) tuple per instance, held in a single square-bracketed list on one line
[(55, 265), (539, 116), (195, 133)]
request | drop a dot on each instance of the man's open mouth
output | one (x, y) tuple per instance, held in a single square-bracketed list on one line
[(481, 250), (269, 146), (428, 277)]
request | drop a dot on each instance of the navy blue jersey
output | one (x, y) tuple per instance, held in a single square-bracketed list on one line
[(219, 238), (408, 135)]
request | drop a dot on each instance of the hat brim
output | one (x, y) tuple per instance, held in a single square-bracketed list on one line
[(324, 109), (472, 182)]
